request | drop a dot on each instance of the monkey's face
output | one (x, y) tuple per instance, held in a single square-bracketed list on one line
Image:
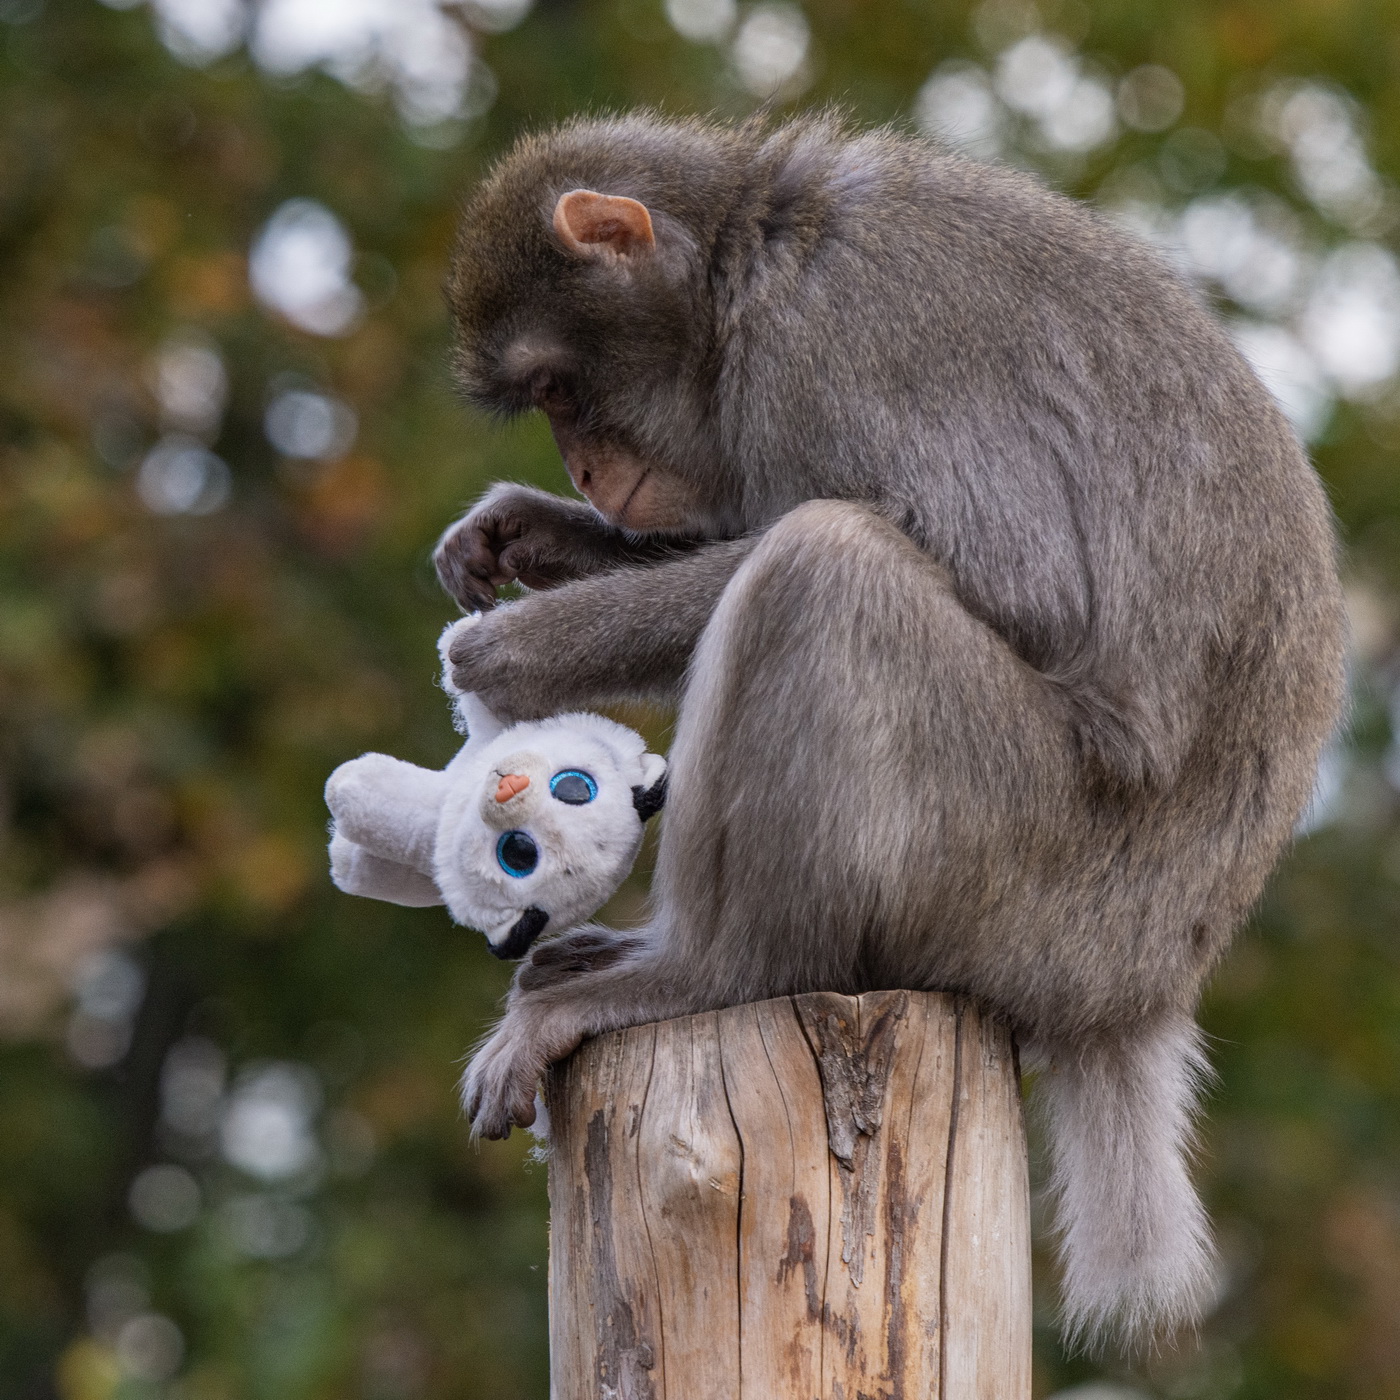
[(631, 491), (591, 310)]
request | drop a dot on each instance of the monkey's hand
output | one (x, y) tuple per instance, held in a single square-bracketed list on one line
[(626, 634), (498, 1089), (493, 660), (519, 533)]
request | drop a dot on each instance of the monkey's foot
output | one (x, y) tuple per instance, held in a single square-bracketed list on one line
[(587, 949), (498, 1089)]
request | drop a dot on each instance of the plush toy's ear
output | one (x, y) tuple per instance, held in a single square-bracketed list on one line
[(592, 225), (649, 796)]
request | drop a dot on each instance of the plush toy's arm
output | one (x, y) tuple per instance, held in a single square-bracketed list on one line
[(386, 813), (470, 715), (389, 807), (473, 719), (358, 871)]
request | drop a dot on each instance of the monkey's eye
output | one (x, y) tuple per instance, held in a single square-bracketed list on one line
[(574, 786), (553, 394), (517, 854)]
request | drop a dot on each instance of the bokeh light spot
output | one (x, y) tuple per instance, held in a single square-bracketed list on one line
[(300, 267)]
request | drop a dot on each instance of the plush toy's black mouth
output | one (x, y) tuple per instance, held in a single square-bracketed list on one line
[(523, 932)]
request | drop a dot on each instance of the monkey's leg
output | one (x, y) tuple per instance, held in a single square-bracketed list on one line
[(865, 779), (852, 750)]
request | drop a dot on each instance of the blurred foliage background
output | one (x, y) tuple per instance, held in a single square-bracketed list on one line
[(231, 1164)]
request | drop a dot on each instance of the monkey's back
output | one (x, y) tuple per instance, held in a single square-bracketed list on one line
[(1067, 429)]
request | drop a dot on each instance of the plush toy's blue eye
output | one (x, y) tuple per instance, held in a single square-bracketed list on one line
[(517, 854), (574, 786)]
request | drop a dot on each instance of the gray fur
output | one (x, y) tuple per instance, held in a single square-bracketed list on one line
[(1005, 629), (1118, 1117)]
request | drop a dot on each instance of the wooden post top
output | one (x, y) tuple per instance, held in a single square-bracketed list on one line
[(819, 1197)]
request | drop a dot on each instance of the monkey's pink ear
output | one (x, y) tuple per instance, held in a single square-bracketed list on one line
[(592, 225)]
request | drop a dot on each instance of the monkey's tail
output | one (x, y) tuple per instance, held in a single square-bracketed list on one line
[(1135, 1245)]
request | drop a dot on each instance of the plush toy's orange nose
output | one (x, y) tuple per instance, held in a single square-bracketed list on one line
[(511, 785)]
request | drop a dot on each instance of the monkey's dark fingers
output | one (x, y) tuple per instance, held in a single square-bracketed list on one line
[(473, 594), (494, 1109), (492, 1125), (536, 566), (496, 1129), (580, 942), (467, 569), (476, 1105)]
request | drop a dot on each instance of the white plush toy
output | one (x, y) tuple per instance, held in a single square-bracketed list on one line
[(531, 826)]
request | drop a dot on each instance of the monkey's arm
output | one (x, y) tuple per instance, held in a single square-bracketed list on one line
[(518, 532), (623, 635)]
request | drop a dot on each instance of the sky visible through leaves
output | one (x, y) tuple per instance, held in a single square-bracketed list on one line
[(231, 1164)]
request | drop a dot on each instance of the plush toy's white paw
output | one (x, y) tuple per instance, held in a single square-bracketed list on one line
[(387, 806), (453, 629), (358, 871)]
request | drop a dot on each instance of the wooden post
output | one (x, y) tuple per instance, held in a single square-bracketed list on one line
[(815, 1198)]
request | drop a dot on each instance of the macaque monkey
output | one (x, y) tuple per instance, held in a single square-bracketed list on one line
[(997, 599)]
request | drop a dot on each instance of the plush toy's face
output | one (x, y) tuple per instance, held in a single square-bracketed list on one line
[(547, 829), (531, 826)]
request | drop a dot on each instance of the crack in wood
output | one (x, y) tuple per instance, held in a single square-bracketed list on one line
[(854, 1064), (901, 1217), (953, 1112), (623, 1358), (854, 1061), (801, 1253)]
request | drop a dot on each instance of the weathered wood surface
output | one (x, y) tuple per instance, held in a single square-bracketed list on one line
[(815, 1198)]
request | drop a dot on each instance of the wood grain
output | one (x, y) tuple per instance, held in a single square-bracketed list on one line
[(814, 1198)]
